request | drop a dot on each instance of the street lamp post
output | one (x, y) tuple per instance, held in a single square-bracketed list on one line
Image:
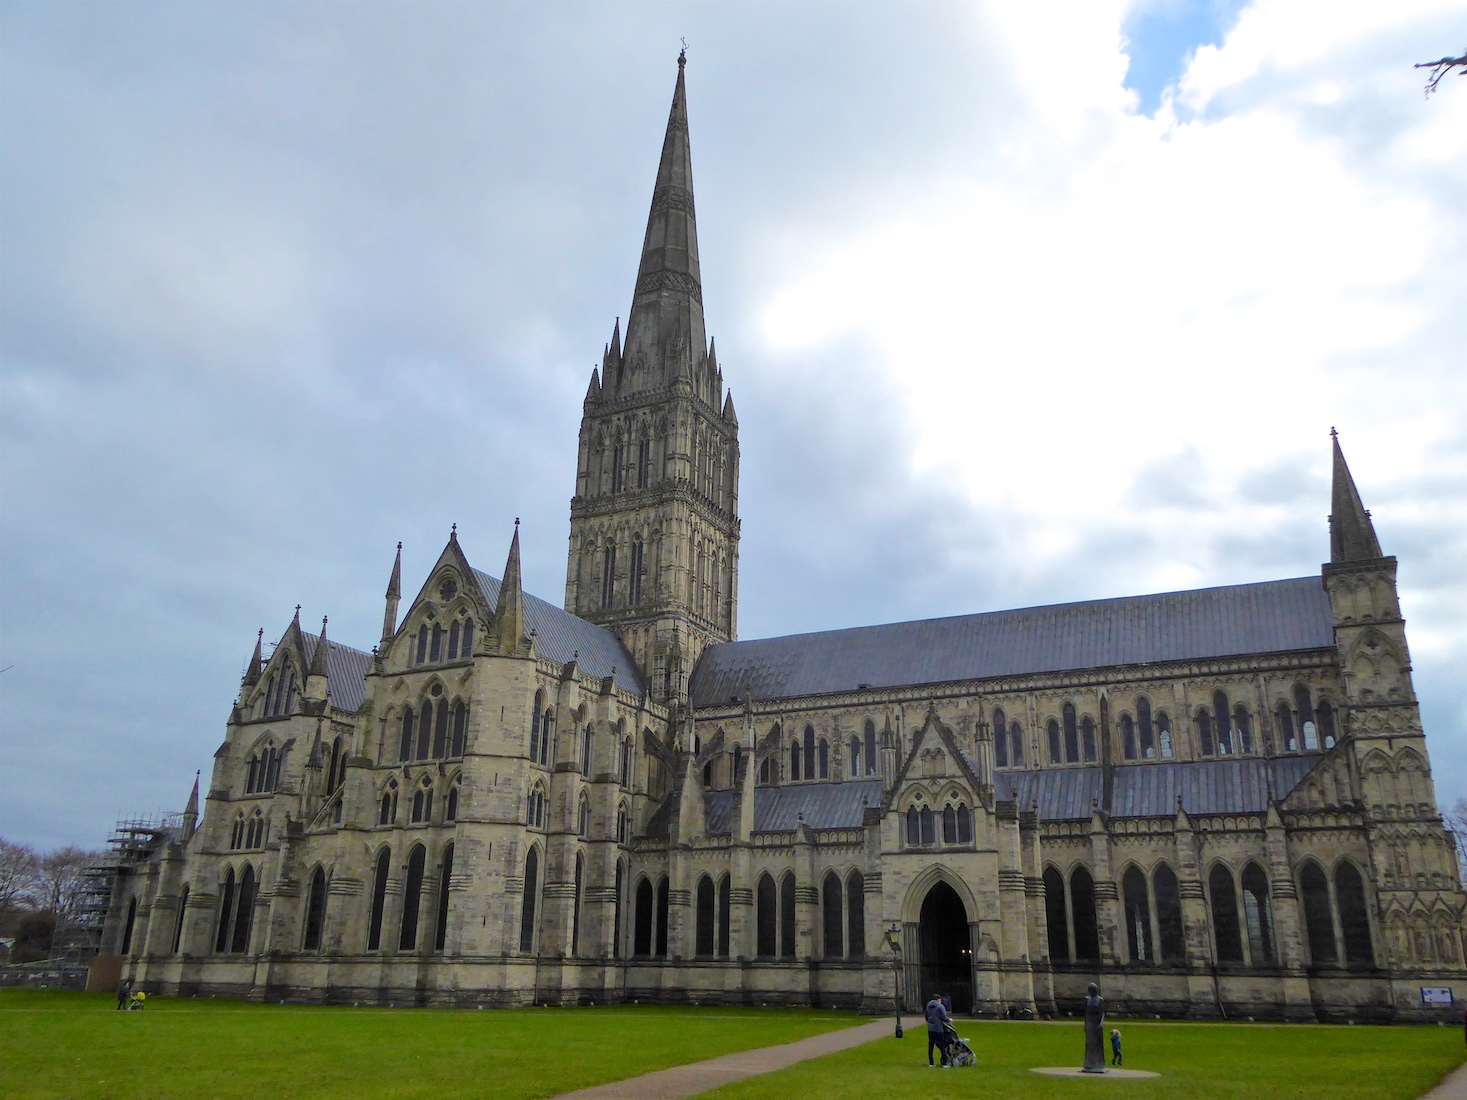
[(894, 941)]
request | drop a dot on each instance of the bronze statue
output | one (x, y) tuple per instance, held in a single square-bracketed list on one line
[(1094, 1031)]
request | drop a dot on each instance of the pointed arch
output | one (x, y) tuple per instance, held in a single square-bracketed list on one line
[(1318, 920), (1083, 916), (1258, 915), (1226, 933), (767, 917), (1138, 915), (1056, 915), (445, 877), (1171, 941), (530, 900), (407, 939), (1354, 914), (315, 911), (244, 913), (833, 914), (379, 898), (642, 934), (707, 917)]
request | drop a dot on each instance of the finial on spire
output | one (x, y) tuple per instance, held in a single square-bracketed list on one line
[(516, 521), (682, 57), (1332, 433)]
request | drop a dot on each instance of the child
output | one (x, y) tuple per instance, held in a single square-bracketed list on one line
[(1115, 1046)]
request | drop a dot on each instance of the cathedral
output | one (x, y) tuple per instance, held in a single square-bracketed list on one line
[(1214, 803)]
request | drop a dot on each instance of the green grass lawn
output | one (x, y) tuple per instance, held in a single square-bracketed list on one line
[(1205, 1061), (74, 1045), (69, 1045)]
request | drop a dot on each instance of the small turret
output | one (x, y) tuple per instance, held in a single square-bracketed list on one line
[(257, 663), (191, 811), (316, 673), (730, 417), (394, 597), (1351, 534), (509, 616)]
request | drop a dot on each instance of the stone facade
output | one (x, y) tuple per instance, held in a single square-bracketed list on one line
[(1215, 802)]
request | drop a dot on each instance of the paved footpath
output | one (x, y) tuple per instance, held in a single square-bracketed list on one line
[(1451, 1087), (689, 1080)]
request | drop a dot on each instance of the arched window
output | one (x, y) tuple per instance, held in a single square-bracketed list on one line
[(949, 824), (535, 811), (616, 903), (387, 804), (1164, 735), (460, 729), (965, 825), (1144, 734), (724, 897), (794, 761), (1204, 733), (642, 934), (787, 916), (466, 645), (1244, 727), (178, 924), (1128, 737), (767, 917), (621, 825), (1138, 916), (707, 917), (1056, 754), (634, 578), (1318, 921), (535, 726), (1326, 716), (237, 833), (588, 742), (379, 899), (1225, 915), (422, 653), (583, 818), (1354, 920), (765, 770), (823, 754), (855, 769), (1087, 739), (423, 801), (132, 914), (435, 647), (1055, 917), (921, 831), (1284, 717), (405, 741), (626, 762), (1082, 911), (425, 728), (736, 765), (226, 912), (529, 901), (1223, 717), (576, 905), (1307, 725), (546, 728), (608, 576), (1072, 737), (856, 915), (453, 641), (412, 895), (440, 729), (450, 806), (1000, 739), (445, 876), (244, 915), (1016, 745), (870, 747), (1173, 946), (1257, 915), (662, 900), (315, 912), (834, 916)]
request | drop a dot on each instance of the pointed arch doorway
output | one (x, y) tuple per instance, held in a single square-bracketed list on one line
[(945, 946)]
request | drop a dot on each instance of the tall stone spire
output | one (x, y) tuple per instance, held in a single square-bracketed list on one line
[(1351, 534), (257, 663), (665, 336)]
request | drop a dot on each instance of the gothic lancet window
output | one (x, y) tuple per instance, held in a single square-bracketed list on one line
[(226, 912), (833, 917), (766, 917), (608, 576), (445, 875), (644, 463), (1318, 920), (707, 914), (1000, 739), (642, 933), (1087, 739), (1056, 754), (1164, 735), (1055, 917), (1225, 928), (787, 923), (1223, 718), (1072, 738), (379, 899), (662, 904), (1144, 733), (1082, 910), (1128, 737), (823, 755), (460, 729), (1172, 946), (244, 912), (1257, 915), (535, 726), (1354, 918), (529, 901), (1243, 725), (1138, 916), (1016, 745), (725, 895), (179, 923), (634, 578), (1305, 710), (870, 746), (856, 916), (407, 939)]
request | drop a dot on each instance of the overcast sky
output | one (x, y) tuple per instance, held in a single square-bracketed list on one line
[(1019, 304)]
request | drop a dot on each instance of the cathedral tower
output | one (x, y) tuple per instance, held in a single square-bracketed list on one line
[(654, 523)]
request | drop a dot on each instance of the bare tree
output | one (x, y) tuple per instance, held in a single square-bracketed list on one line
[(1440, 68), (1456, 820), (63, 881), (20, 869)]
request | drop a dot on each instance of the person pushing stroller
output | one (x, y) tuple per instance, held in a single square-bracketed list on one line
[(939, 1020)]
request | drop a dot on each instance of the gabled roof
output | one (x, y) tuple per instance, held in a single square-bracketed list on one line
[(560, 636), (346, 671), (1271, 617), (1150, 790)]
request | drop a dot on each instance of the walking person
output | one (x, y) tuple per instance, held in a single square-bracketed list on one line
[(1115, 1046), (124, 994), (937, 1021)]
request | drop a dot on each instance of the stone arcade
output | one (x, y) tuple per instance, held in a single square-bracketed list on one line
[(1215, 800)]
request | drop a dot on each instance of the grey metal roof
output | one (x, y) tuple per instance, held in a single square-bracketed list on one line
[(1270, 617), (559, 636), (346, 671), (778, 809), (1150, 790)]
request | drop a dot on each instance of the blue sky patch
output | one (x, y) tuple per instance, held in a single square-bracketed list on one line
[(1162, 33)]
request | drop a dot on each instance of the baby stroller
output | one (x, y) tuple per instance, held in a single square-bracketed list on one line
[(136, 1002), (959, 1053)]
